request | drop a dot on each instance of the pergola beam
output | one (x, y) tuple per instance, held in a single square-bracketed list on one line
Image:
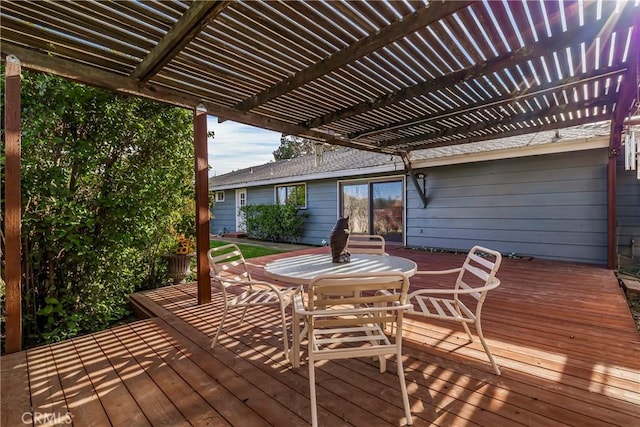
[(186, 29), (506, 61), (500, 120), (524, 130), (125, 85), (361, 48), (498, 101)]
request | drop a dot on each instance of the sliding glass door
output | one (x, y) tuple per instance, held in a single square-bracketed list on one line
[(374, 207)]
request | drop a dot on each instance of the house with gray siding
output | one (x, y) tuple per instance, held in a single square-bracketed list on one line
[(540, 195)]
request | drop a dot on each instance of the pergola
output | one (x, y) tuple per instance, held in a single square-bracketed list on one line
[(385, 76)]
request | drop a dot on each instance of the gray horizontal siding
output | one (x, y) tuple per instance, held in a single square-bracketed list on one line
[(628, 209), (225, 214), (321, 208), (551, 206)]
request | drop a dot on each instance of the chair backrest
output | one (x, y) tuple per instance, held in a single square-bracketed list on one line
[(357, 292), (479, 270), (227, 261), (366, 244)]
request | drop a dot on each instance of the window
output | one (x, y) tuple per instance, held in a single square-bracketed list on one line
[(294, 194), (374, 207), (219, 196)]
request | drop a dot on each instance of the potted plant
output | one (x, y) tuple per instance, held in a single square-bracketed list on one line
[(180, 259)]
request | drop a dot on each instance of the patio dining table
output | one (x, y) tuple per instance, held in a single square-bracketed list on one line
[(302, 269)]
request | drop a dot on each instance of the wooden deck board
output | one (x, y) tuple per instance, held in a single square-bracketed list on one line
[(16, 397), (120, 349), (561, 332), (119, 405), (80, 395), (47, 395)]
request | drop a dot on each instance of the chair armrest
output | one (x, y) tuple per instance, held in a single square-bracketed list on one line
[(488, 287), (427, 272), (251, 283), (298, 304)]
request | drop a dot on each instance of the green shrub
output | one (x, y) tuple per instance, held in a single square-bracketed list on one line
[(274, 223)]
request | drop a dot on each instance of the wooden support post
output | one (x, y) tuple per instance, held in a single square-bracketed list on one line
[(628, 93), (202, 204), (612, 241), (13, 208)]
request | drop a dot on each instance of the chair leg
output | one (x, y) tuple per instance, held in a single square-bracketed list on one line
[(285, 336), (466, 329), (486, 349), (224, 316), (312, 391), (403, 388), (464, 324), (383, 364), (295, 345), (244, 312)]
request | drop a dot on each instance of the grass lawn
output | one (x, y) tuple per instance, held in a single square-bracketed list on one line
[(249, 251)]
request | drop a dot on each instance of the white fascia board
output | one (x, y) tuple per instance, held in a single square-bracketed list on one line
[(509, 153), (391, 167), (395, 166)]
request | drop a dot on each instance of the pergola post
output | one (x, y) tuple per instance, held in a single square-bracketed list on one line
[(13, 213), (628, 93), (202, 204)]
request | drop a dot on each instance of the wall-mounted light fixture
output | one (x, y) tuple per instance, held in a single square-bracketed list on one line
[(423, 188)]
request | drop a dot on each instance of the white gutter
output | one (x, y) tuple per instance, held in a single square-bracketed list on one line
[(581, 144), (391, 167)]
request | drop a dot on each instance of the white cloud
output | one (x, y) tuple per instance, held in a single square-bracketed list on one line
[(237, 146)]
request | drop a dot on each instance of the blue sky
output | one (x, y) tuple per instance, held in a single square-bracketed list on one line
[(237, 146)]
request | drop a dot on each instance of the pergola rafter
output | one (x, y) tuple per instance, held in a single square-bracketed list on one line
[(501, 120), (568, 83), (359, 49), (507, 61)]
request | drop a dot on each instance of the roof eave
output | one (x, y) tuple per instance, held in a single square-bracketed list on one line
[(579, 144)]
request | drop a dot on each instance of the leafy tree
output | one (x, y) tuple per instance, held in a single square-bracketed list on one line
[(104, 180), (295, 146)]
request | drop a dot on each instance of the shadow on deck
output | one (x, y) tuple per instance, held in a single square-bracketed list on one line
[(561, 333)]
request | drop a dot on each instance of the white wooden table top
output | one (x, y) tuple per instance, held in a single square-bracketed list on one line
[(302, 269)]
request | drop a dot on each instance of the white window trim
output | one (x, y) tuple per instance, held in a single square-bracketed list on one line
[(219, 196), (374, 179), (291, 184)]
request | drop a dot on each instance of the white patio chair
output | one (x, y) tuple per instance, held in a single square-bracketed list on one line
[(343, 315), (475, 278), (366, 244), (229, 272)]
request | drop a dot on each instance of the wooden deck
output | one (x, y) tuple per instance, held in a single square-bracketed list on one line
[(561, 333)]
